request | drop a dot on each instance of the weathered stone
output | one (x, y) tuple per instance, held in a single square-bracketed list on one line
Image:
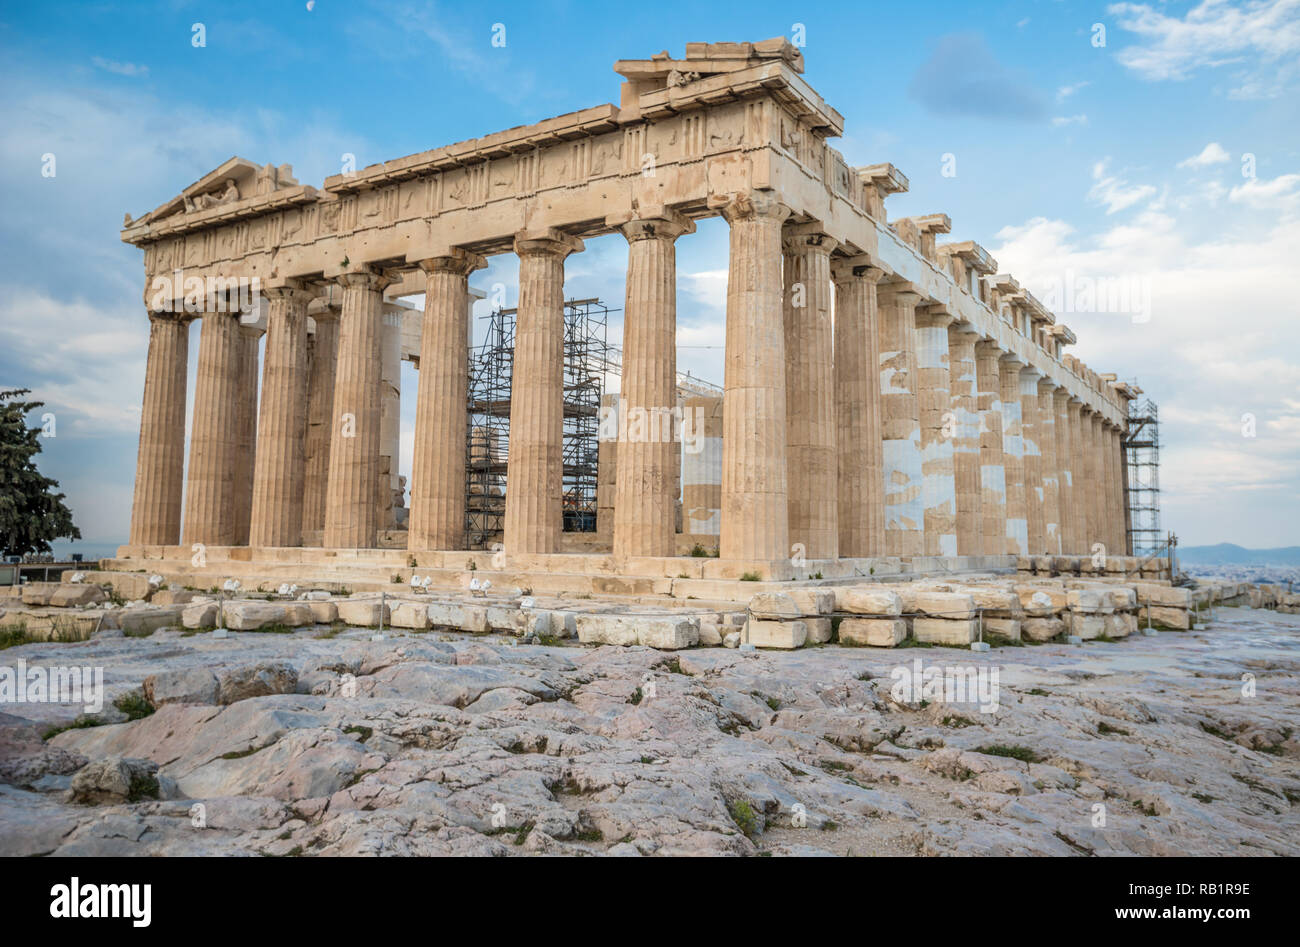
[(70, 596), (819, 630), (813, 601), (877, 632), (776, 634), (362, 613), (947, 605), (1173, 619), (948, 631), (867, 601), (1002, 627), (413, 615), (1042, 629), (115, 780), (188, 686), (653, 631), (776, 605), (146, 620), (245, 615), (256, 680), (201, 615)]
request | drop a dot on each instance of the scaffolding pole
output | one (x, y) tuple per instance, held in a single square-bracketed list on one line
[(1142, 480)]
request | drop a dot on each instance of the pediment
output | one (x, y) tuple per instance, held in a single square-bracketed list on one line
[(234, 180)]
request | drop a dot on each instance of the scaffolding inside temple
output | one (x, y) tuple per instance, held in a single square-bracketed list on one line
[(1142, 480), (491, 368)]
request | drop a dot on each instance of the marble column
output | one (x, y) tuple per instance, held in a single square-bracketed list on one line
[(1079, 492), (1064, 470), (1013, 458), (351, 514), (810, 393), (437, 520), (390, 414), (607, 466), (320, 414), (1051, 473), (1092, 480), (1114, 524), (246, 456), (276, 518), (1033, 461), (702, 465), (214, 433), (755, 498), (160, 460), (1121, 484), (962, 383), (993, 481), (900, 421), (535, 471), (645, 496), (938, 430), (860, 483)]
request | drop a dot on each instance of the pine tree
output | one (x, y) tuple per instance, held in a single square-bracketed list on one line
[(31, 513)]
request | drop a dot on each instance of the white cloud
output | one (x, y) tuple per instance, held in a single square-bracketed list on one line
[(1116, 193), (1061, 120), (1264, 34), (120, 68), (1281, 192), (1213, 153), (1210, 353), (1065, 91)]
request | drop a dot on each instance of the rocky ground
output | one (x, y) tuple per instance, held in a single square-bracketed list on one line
[(316, 743)]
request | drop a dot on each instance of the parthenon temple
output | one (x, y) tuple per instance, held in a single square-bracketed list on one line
[(886, 397)]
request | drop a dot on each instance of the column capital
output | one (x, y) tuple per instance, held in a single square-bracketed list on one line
[(168, 316), (650, 223), (293, 290), (860, 267), (965, 331), (456, 260), (1011, 360), (546, 241), (901, 290), (365, 277), (1030, 371), (742, 205), (798, 238), (935, 316)]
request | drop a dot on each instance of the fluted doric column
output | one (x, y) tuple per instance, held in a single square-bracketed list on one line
[(535, 471), (160, 460), (1122, 492), (645, 497), (993, 481), (938, 430), (214, 433), (965, 429), (1090, 425), (1050, 467), (1110, 445), (278, 471), (351, 513), (441, 436), (810, 392), (250, 343), (1079, 496), (1064, 470), (755, 499), (1030, 433), (900, 421), (320, 416), (860, 483), (1013, 458)]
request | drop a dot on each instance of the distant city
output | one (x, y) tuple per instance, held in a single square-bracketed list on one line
[(1231, 563)]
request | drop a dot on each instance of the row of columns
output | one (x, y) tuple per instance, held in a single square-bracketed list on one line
[(857, 419)]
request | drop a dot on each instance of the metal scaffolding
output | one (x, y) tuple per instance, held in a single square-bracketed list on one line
[(491, 369), (1142, 483)]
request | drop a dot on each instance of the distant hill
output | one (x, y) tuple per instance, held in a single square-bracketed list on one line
[(1230, 554)]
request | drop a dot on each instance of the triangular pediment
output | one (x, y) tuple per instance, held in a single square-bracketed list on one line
[(235, 179)]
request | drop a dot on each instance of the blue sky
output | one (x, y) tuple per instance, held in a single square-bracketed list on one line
[(1124, 160)]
